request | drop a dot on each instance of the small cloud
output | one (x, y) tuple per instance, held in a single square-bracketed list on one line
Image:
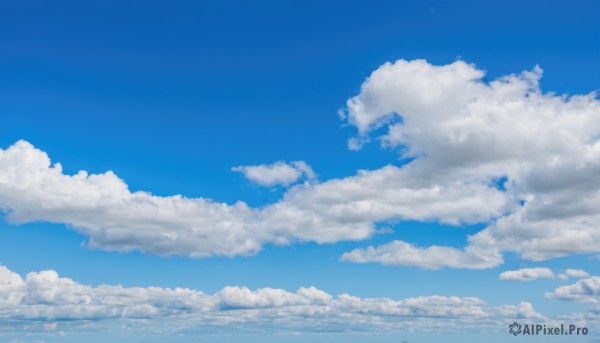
[(577, 273), (357, 143), (50, 326), (527, 274), (563, 277), (278, 173)]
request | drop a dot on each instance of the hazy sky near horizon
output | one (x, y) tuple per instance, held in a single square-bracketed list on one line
[(298, 171)]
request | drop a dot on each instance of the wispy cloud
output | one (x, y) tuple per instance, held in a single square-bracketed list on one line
[(577, 273), (435, 257), (527, 274), (278, 173)]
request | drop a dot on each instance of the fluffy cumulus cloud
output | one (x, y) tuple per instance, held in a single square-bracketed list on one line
[(585, 290), (502, 153), (542, 150), (278, 173), (114, 218), (527, 274), (51, 302)]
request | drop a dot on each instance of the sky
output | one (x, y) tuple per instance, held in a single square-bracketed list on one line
[(298, 171)]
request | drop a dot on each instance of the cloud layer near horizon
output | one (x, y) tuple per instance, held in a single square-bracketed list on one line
[(44, 297)]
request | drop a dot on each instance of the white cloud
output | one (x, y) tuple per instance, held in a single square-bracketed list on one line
[(461, 130), (577, 273), (463, 134), (45, 299), (50, 326), (278, 173), (585, 290), (102, 207), (527, 274)]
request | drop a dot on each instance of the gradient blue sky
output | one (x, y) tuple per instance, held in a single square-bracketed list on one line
[(172, 95)]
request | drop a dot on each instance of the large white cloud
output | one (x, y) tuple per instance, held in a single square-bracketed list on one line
[(44, 297), (526, 163), (543, 148), (102, 207)]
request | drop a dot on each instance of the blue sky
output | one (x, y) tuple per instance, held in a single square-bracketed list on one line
[(172, 96)]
